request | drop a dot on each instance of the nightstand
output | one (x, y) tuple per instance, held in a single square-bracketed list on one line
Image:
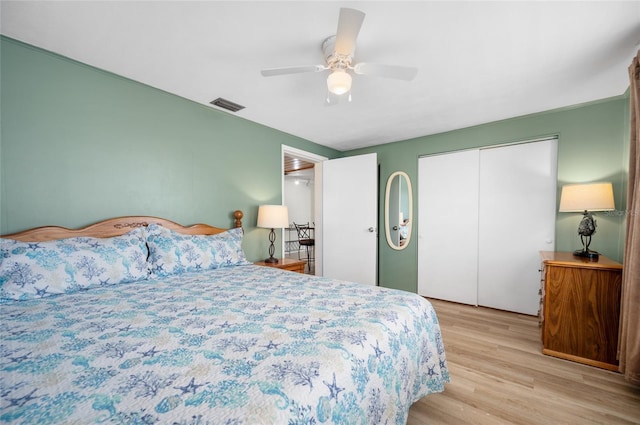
[(580, 308), (285, 264)]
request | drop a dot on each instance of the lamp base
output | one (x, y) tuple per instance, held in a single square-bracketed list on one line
[(592, 255), (272, 249)]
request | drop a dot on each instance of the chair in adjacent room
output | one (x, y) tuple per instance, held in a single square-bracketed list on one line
[(306, 239)]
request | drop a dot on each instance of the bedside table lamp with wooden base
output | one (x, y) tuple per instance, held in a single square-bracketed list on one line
[(273, 217)]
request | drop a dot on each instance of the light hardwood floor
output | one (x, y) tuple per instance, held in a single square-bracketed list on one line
[(500, 376)]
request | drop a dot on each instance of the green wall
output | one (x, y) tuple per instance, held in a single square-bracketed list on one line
[(80, 145), (592, 146)]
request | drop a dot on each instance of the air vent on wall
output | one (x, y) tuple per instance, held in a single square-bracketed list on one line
[(227, 104)]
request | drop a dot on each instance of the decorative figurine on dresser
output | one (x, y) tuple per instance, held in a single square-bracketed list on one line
[(580, 308)]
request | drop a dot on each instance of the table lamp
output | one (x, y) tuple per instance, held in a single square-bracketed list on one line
[(586, 198), (273, 217)]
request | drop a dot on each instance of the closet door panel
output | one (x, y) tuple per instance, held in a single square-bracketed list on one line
[(516, 221), (447, 226)]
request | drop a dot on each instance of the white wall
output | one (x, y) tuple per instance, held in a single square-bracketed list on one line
[(299, 198)]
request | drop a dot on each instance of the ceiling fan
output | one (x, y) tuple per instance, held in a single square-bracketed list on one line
[(338, 54)]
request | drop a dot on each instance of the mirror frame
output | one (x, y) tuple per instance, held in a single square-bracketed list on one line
[(386, 210)]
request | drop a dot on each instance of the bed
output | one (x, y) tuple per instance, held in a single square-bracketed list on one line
[(140, 320)]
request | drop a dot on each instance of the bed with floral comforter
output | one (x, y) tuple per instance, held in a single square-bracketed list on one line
[(239, 344)]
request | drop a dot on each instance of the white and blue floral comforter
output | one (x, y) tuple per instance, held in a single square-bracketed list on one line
[(237, 345)]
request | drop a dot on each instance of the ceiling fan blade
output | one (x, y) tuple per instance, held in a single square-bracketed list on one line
[(292, 70), (406, 73), (349, 24)]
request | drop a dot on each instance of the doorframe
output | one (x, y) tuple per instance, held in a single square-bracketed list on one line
[(307, 156)]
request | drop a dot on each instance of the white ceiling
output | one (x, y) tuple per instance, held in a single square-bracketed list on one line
[(478, 61)]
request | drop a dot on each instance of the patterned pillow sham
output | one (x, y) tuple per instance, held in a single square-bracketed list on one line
[(39, 269), (173, 253)]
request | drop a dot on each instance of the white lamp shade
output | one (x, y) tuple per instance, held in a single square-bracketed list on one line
[(589, 197), (339, 82), (273, 216)]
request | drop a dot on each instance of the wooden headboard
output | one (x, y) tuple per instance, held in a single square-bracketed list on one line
[(116, 227)]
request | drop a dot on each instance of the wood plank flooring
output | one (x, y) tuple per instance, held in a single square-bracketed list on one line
[(499, 376)]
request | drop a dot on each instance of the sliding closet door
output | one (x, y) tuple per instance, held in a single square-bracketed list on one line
[(516, 221), (483, 217), (448, 226)]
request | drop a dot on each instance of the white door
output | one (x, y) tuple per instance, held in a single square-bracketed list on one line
[(517, 213), (347, 220), (448, 226), (484, 215)]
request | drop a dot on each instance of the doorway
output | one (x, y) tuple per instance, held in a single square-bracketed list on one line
[(298, 194), (344, 197)]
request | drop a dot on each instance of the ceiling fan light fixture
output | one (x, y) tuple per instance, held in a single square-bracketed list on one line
[(339, 82)]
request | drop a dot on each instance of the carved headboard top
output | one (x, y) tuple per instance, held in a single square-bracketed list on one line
[(116, 227)]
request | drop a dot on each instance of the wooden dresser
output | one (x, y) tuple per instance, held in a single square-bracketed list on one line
[(285, 264), (580, 308)]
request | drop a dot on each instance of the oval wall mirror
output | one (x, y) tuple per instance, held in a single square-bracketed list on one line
[(398, 210)]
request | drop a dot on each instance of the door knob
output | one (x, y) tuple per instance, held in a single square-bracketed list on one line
[(372, 229)]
